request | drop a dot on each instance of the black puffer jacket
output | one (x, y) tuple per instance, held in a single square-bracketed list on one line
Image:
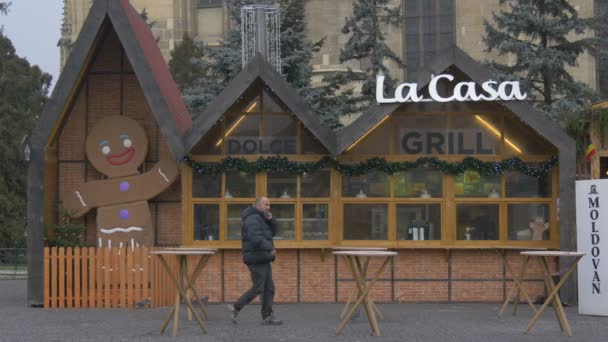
[(256, 234)]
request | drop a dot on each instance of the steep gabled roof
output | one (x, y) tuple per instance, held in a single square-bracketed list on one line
[(259, 68), (478, 73), (149, 66)]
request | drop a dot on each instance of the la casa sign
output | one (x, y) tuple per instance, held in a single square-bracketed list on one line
[(462, 91)]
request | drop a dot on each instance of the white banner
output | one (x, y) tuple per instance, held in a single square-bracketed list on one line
[(592, 239)]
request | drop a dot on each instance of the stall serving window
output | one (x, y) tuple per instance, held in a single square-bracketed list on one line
[(260, 126), (427, 207), (417, 207)]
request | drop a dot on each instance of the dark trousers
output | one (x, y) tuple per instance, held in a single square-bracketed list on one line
[(262, 284)]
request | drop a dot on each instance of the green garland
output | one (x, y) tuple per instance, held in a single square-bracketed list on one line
[(282, 164)]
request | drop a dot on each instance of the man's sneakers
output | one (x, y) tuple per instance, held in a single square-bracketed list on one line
[(233, 313), (271, 320)]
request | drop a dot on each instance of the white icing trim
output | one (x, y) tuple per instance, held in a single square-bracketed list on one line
[(162, 174), (122, 230), (80, 198)]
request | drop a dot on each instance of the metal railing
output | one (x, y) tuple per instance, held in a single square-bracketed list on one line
[(13, 261)]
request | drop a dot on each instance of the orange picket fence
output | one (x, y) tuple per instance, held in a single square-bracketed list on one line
[(91, 277)]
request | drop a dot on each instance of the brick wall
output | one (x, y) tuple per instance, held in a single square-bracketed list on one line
[(110, 87), (309, 276)]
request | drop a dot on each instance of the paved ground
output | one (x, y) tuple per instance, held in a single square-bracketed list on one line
[(302, 322)]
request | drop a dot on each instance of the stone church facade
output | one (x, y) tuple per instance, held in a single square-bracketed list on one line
[(429, 26)]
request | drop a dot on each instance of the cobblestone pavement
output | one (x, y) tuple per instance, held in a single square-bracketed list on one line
[(302, 322)]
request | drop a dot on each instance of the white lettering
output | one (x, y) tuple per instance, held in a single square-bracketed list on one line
[(462, 91)]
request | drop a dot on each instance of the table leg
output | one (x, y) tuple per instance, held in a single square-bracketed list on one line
[(364, 277), (557, 303), (353, 296), (361, 284), (363, 294), (518, 287), (182, 293), (554, 293)]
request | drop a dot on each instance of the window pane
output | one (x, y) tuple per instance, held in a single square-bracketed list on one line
[(242, 133), (418, 221), (477, 221), (206, 222), (472, 184), (521, 185), (280, 135), (235, 221), (310, 144), (419, 134), (474, 134), (206, 185), (365, 221), (282, 185), (315, 184), (375, 143), (272, 104), (528, 221), (284, 214), (239, 185), (421, 183), (373, 184), (521, 139), (211, 143), (315, 221)]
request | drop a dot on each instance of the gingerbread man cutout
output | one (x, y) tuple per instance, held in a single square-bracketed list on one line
[(538, 226), (116, 147)]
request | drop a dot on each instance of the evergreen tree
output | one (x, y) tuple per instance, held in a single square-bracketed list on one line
[(538, 33), (183, 64), (223, 62), (23, 92), (367, 44)]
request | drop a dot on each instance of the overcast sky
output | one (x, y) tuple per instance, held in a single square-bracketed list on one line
[(34, 28)]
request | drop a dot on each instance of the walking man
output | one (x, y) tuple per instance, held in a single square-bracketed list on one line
[(258, 252)]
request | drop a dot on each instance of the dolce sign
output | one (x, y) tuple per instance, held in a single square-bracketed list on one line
[(463, 91)]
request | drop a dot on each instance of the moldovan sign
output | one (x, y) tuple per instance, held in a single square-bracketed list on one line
[(592, 239), (463, 91)]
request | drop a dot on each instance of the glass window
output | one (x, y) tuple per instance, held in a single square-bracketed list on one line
[(419, 134), (242, 134), (376, 142), (282, 185), (280, 135), (419, 221), (239, 185), (209, 186), (316, 184), (284, 214), (310, 144), (373, 184), (272, 104), (365, 221), (474, 134), (211, 143), (521, 185), (477, 221), (206, 222), (521, 139), (528, 221), (315, 225), (472, 184), (422, 183), (235, 220)]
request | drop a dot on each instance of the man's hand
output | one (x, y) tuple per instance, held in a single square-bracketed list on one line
[(268, 215), (273, 252)]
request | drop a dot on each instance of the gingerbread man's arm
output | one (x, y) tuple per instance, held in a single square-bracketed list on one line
[(77, 202)]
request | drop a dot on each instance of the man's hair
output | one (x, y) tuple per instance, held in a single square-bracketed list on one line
[(259, 199)]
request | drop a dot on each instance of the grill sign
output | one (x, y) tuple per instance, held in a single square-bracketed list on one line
[(462, 91)]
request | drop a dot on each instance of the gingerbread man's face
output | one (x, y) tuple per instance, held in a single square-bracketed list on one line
[(117, 146)]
